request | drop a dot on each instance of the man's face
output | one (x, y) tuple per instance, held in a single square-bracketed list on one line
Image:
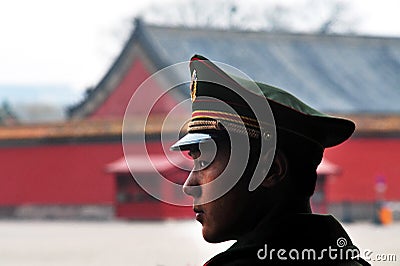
[(228, 216)]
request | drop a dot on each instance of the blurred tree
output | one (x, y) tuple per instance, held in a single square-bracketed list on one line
[(322, 16), (7, 115), (335, 13)]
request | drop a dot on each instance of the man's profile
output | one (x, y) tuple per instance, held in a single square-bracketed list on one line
[(273, 224)]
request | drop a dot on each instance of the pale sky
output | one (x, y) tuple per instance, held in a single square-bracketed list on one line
[(68, 45)]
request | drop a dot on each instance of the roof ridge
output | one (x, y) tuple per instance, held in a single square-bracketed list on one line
[(178, 27)]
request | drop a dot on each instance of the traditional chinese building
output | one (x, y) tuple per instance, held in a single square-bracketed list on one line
[(78, 166)]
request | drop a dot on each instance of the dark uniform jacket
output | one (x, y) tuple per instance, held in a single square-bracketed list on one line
[(301, 239)]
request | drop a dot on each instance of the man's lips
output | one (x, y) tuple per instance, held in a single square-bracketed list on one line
[(199, 213)]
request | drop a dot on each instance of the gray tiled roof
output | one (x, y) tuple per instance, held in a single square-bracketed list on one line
[(339, 74)]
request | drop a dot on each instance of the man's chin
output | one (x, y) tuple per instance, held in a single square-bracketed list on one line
[(212, 237)]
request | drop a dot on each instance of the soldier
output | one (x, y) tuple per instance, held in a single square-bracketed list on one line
[(267, 164)]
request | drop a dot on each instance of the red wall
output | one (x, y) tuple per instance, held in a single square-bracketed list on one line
[(362, 160), (57, 174), (75, 173)]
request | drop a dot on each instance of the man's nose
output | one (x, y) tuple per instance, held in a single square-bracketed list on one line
[(192, 187)]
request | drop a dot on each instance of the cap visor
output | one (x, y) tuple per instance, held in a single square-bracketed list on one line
[(190, 139)]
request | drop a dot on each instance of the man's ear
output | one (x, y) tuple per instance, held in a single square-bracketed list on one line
[(277, 172)]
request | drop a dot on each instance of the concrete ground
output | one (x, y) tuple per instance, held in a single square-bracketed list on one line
[(168, 243)]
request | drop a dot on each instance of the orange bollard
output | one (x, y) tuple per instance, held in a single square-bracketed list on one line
[(385, 215)]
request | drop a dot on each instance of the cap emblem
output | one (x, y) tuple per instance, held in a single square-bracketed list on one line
[(193, 85)]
